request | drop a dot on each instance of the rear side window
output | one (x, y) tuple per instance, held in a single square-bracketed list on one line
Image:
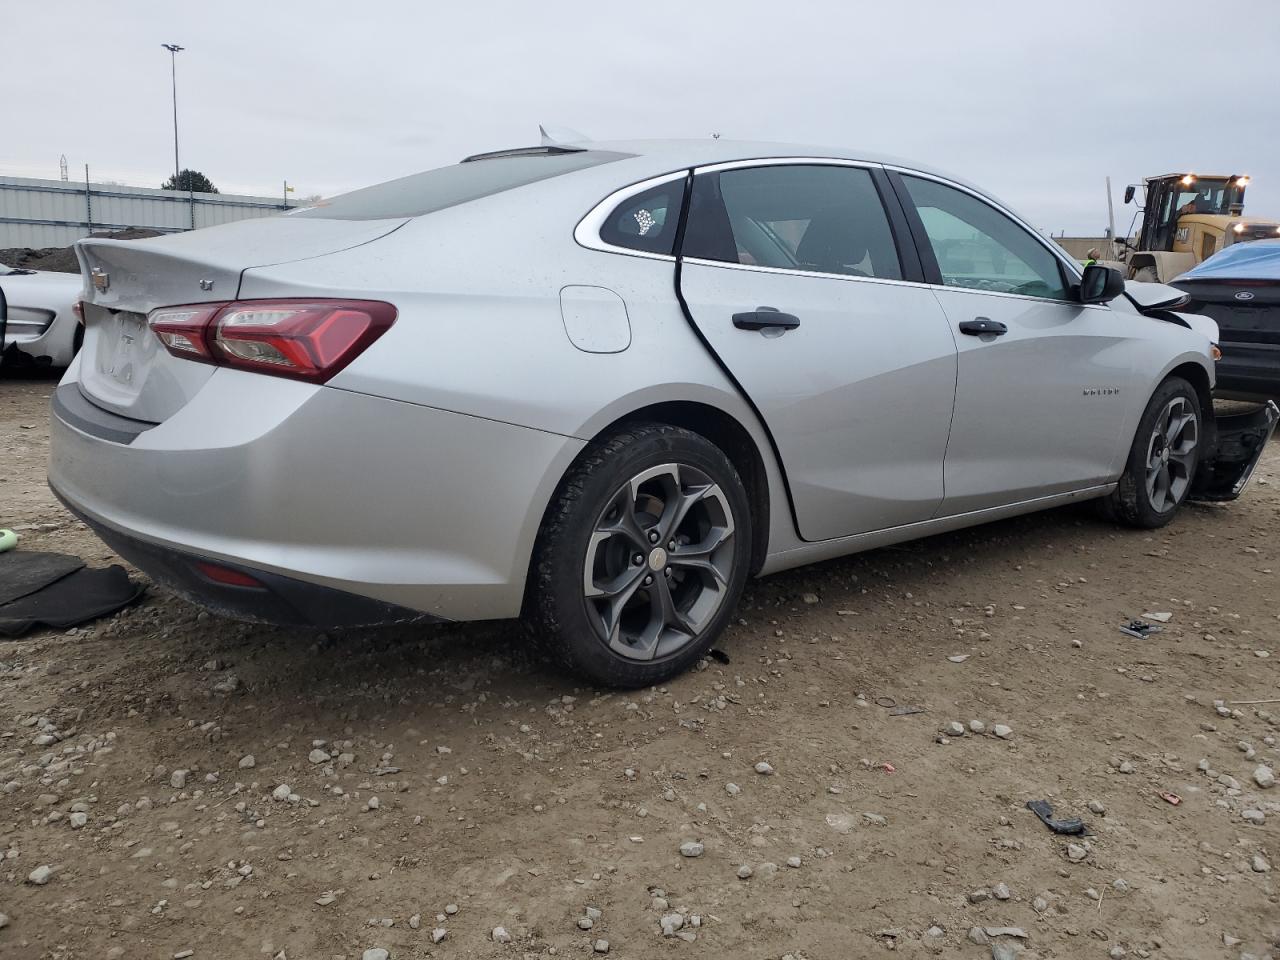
[(420, 193), (980, 248), (647, 221), (819, 218)]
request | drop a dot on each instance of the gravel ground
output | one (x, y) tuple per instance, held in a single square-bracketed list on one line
[(174, 784)]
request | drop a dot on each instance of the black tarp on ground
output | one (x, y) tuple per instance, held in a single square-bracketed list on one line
[(22, 573), (57, 590)]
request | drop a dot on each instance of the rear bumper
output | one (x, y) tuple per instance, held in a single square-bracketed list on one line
[(277, 599), (423, 510), (1238, 442), (1249, 368)]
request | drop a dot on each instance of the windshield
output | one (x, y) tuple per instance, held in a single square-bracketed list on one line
[(421, 193), (1209, 196)]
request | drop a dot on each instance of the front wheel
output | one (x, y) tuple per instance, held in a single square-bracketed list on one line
[(1162, 461), (642, 557)]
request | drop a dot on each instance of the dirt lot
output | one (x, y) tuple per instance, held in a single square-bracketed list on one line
[(506, 796)]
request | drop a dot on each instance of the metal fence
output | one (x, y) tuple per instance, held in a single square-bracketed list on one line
[(56, 213)]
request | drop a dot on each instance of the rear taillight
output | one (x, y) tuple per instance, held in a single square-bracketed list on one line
[(304, 339)]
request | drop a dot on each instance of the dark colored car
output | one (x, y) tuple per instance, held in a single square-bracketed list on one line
[(1239, 288)]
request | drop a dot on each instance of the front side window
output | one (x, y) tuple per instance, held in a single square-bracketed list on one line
[(818, 218), (980, 248), (648, 221)]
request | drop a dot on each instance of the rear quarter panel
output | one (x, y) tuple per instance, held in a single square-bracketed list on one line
[(480, 332)]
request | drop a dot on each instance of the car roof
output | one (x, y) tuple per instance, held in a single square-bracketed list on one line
[(665, 155)]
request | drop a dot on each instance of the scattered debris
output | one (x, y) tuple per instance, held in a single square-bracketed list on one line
[(1171, 798), (1140, 629), (1071, 827)]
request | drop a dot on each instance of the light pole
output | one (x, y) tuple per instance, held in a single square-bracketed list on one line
[(174, 50)]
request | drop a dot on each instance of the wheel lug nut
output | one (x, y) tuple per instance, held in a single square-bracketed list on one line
[(638, 559), (653, 536), (648, 580), (667, 571), (671, 545)]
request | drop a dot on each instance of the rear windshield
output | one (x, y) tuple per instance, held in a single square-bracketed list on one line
[(420, 193)]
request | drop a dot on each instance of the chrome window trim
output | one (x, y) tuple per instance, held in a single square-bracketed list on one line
[(792, 272), (787, 271), (587, 232), (785, 162)]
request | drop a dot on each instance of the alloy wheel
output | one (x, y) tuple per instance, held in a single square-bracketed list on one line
[(1171, 454), (659, 561)]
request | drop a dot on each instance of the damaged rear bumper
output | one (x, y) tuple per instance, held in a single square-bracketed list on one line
[(1237, 444)]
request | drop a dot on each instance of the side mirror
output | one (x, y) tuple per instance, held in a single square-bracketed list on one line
[(1100, 284), (1128, 193)]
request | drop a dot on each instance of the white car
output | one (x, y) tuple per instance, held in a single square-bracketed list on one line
[(43, 326)]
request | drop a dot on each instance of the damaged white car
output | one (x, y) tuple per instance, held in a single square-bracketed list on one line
[(42, 327)]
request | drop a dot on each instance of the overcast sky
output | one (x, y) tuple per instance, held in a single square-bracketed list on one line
[(1036, 101)]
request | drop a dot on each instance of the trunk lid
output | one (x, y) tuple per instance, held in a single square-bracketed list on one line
[(1246, 311), (123, 366)]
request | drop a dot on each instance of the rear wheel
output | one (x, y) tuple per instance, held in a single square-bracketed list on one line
[(642, 557), (1162, 461)]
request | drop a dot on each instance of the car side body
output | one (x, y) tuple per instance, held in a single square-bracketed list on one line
[(418, 477)]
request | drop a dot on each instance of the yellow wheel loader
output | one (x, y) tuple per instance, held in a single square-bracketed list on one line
[(1186, 218)]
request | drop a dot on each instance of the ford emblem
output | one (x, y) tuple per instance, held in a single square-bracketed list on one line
[(1244, 295)]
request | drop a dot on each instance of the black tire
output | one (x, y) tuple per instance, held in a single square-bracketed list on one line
[(1132, 502), (571, 547)]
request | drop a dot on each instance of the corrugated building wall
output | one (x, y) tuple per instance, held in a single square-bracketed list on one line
[(56, 213)]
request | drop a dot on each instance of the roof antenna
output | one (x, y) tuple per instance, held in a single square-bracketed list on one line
[(559, 136)]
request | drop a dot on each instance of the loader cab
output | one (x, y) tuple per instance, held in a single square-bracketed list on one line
[(1175, 195)]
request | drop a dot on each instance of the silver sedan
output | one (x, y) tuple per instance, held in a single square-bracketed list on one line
[(599, 385)]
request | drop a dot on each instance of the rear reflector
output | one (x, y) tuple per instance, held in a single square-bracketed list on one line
[(303, 339), (227, 576)]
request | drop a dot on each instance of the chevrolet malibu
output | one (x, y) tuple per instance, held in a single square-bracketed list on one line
[(600, 385)]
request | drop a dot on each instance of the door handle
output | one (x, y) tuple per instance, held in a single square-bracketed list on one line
[(762, 318), (980, 326)]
